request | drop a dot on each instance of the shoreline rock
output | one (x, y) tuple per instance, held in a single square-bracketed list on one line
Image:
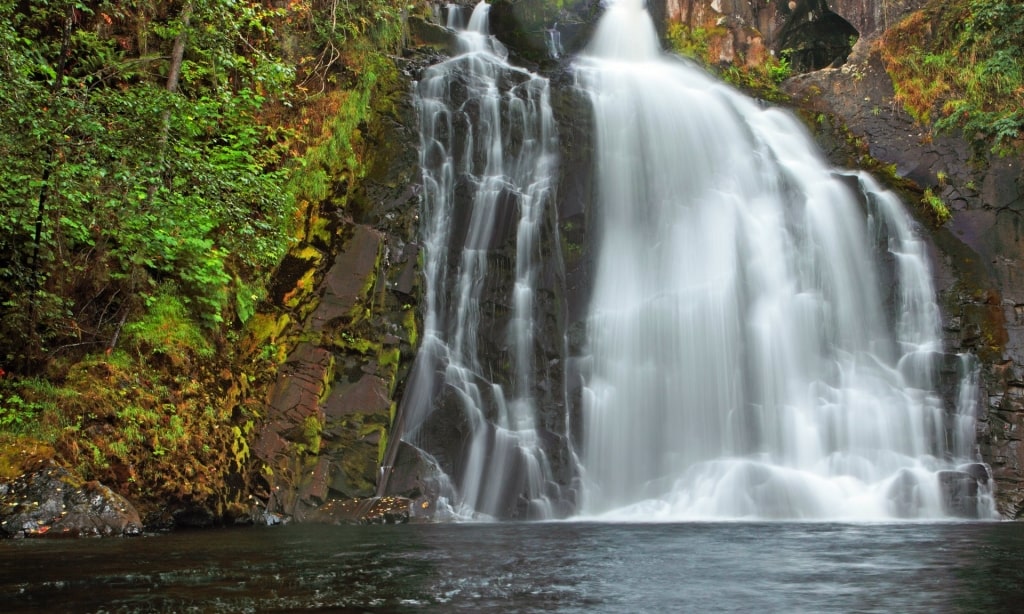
[(51, 502)]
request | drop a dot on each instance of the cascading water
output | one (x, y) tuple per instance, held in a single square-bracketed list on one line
[(750, 357), (487, 157)]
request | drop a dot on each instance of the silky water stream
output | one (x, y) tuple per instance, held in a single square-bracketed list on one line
[(762, 338), (763, 330), (487, 153)]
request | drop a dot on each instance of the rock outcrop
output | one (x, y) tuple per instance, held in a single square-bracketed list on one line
[(342, 325), (50, 501), (813, 34)]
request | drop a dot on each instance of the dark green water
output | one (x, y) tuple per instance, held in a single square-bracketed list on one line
[(556, 567)]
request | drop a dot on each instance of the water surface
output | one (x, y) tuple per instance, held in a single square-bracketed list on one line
[(549, 567)]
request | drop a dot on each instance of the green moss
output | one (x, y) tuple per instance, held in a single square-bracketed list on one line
[(349, 342), (167, 328), (382, 446), (693, 42), (319, 230), (389, 357), (265, 331), (704, 45), (936, 206), (328, 379), (387, 362), (303, 287), (152, 434), (21, 454), (363, 309), (410, 326), (312, 431)]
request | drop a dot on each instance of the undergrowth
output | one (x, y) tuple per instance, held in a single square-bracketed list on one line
[(703, 44), (957, 65)]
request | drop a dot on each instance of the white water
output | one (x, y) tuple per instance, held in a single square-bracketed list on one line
[(745, 359), (487, 155)]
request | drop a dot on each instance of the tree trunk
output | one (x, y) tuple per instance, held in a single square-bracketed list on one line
[(178, 51), (51, 156), (173, 76)]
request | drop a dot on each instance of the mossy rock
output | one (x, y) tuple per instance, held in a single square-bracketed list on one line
[(20, 455)]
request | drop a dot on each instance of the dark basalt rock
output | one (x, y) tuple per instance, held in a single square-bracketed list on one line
[(415, 475), (526, 27), (962, 488), (52, 502), (344, 326), (345, 282)]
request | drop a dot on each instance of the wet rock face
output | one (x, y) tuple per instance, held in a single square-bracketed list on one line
[(453, 425), (540, 31), (344, 323), (962, 489), (812, 33), (51, 502)]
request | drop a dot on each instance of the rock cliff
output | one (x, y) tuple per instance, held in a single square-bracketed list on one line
[(345, 304)]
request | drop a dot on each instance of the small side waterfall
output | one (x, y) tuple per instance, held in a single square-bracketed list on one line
[(763, 329), (488, 157)]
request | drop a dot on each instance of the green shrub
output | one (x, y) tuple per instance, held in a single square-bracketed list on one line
[(955, 65), (167, 328)]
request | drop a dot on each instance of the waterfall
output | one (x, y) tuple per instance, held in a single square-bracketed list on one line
[(763, 335), (487, 154), (762, 338)]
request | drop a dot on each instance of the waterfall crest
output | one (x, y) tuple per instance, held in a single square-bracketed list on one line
[(763, 332)]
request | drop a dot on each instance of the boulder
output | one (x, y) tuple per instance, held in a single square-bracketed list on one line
[(962, 489), (52, 502)]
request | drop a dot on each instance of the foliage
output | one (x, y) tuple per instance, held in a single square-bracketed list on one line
[(167, 330), (760, 79), (956, 65), (25, 405), (159, 437), (151, 436), (17, 414), (692, 42), (115, 185), (140, 222), (936, 205), (338, 156)]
